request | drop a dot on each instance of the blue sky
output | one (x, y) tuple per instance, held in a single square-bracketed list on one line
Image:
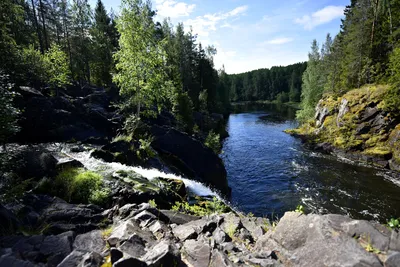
[(253, 34)]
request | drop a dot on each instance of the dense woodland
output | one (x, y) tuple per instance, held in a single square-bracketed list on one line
[(57, 44), (278, 83), (366, 51)]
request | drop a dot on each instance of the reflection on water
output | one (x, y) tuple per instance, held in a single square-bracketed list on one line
[(271, 172)]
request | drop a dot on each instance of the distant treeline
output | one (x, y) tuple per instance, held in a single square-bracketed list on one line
[(278, 83)]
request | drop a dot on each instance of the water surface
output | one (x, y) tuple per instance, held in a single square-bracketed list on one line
[(271, 172)]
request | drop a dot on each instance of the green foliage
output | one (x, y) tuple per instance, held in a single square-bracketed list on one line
[(140, 75), (392, 99), (394, 223), (34, 65), (300, 209), (183, 110), (153, 203), (57, 67), (201, 209), (8, 113), (203, 97), (145, 150), (78, 186), (282, 97), (213, 141)]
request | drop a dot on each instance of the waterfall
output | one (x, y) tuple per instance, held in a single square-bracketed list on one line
[(108, 168)]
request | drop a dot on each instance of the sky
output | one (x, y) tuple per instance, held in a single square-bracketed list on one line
[(253, 34)]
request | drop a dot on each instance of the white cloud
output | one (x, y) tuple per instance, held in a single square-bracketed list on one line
[(203, 25), (279, 41), (173, 9), (322, 16)]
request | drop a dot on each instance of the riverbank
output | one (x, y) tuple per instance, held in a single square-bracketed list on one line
[(295, 105), (355, 126)]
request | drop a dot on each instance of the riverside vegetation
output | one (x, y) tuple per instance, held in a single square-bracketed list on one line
[(99, 125)]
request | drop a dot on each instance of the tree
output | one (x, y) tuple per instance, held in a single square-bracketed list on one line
[(140, 59), (8, 113), (312, 84), (56, 63), (102, 59)]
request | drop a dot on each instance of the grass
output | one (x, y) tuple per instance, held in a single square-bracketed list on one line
[(202, 208), (77, 185), (122, 137), (230, 229)]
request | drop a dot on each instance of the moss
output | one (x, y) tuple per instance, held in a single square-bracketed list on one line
[(378, 151), (202, 208)]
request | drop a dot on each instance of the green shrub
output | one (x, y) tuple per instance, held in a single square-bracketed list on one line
[(394, 223), (392, 98), (213, 141), (145, 150), (78, 186), (201, 209)]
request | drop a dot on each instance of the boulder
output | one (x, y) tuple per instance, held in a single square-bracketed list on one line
[(315, 240), (162, 254), (196, 253), (191, 157), (179, 218), (91, 241), (129, 262), (393, 260), (192, 229), (134, 246), (82, 259), (8, 222)]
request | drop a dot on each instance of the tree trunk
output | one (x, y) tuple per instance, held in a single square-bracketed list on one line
[(374, 21), (37, 27), (44, 25)]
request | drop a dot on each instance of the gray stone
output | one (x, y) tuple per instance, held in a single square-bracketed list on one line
[(129, 262), (92, 241), (179, 218), (343, 109), (127, 209), (368, 233), (393, 260), (115, 255), (231, 224), (220, 236), (311, 240), (134, 246), (254, 226), (244, 235), (219, 259), (196, 253), (82, 259), (395, 241), (126, 229), (164, 253), (145, 218), (262, 262)]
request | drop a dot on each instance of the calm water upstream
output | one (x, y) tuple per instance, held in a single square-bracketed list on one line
[(271, 172)]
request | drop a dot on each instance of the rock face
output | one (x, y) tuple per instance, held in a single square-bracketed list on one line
[(190, 157), (64, 118), (356, 126), (141, 235)]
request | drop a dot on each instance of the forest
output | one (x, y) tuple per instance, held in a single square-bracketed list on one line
[(52, 45), (278, 83), (365, 51)]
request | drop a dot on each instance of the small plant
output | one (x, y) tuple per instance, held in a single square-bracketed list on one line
[(300, 209), (153, 203), (394, 223), (201, 209), (145, 150), (230, 229), (100, 196), (106, 233), (213, 141), (122, 137)]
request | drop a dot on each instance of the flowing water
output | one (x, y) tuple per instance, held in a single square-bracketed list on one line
[(271, 172)]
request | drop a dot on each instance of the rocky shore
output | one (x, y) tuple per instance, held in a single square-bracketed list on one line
[(355, 126)]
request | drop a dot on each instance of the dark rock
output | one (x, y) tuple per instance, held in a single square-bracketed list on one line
[(82, 258), (8, 222), (219, 259), (393, 260), (103, 155), (244, 235), (129, 262), (193, 157), (34, 163), (368, 113), (145, 218), (56, 248), (162, 254), (196, 253), (125, 230), (220, 236), (92, 241), (28, 92), (134, 246), (363, 128), (115, 255), (68, 163), (179, 218), (11, 260), (255, 227), (192, 229)]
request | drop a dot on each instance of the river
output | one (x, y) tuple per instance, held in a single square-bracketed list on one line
[(271, 172)]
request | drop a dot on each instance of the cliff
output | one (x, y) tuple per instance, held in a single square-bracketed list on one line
[(356, 126)]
